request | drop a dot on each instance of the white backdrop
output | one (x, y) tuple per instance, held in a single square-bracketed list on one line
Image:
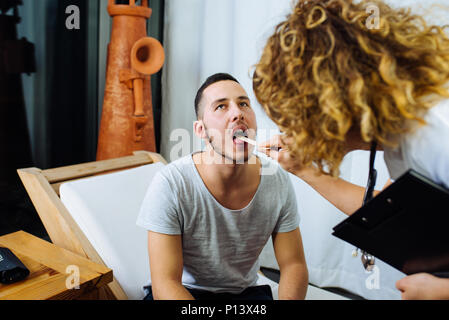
[(202, 37)]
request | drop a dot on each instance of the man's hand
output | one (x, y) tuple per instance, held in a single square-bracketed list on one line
[(423, 286)]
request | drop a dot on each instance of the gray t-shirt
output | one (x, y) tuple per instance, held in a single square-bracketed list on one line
[(221, 247)]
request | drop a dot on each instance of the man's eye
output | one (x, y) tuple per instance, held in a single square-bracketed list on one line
[(221, 106), (244, 104)]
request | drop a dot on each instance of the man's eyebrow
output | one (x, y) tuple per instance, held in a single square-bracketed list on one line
[(226, 99), (220, 100)]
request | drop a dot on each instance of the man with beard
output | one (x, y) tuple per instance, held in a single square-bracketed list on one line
[(210, 214)]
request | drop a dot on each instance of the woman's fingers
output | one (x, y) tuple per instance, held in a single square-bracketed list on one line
[(282, 156), (273, 154), (274, 143), (277, 149), (265, 150)]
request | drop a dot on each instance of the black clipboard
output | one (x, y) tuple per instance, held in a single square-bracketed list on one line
[(406, 226)]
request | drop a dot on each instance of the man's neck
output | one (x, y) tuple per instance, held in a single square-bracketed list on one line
[(223, 172)]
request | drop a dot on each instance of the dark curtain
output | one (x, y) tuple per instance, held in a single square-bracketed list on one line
[(68, 109), (156, 30), (15, 58)]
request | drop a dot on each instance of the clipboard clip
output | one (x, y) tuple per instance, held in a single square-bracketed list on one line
[(368, 260)]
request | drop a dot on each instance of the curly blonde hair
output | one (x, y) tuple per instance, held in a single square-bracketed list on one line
[(325, 71)]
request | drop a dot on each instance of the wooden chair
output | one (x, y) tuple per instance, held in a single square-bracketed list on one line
[(43, 188)]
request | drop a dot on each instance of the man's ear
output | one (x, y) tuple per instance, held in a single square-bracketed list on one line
[(199, 129)]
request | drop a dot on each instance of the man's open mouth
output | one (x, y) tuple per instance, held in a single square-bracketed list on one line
[(239, 133)]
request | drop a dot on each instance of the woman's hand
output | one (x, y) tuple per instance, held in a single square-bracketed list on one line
[(423, 286), (277, 149), (344, 195)]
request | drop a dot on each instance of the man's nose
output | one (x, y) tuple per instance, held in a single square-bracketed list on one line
[(236, 112)]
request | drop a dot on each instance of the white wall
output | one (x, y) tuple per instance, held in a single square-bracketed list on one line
[(203, 37)]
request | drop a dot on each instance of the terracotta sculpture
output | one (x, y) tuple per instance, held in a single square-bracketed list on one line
[(127, 115)]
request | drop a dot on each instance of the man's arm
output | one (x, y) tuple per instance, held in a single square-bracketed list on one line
[(289, 254), (166, 264)]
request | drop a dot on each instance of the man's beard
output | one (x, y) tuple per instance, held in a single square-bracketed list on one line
[(220, 152)]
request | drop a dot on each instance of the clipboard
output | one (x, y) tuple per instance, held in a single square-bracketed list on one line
[(406, 226)]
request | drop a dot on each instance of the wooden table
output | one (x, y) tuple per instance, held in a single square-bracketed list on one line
[(53, 271)]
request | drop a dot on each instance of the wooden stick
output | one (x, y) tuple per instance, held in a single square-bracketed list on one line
[(254, 143), (250, 141)]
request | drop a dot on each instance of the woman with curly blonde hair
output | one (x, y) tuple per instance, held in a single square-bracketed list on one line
[(336, 77)]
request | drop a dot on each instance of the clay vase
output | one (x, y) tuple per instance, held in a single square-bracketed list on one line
[(127, 116)]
